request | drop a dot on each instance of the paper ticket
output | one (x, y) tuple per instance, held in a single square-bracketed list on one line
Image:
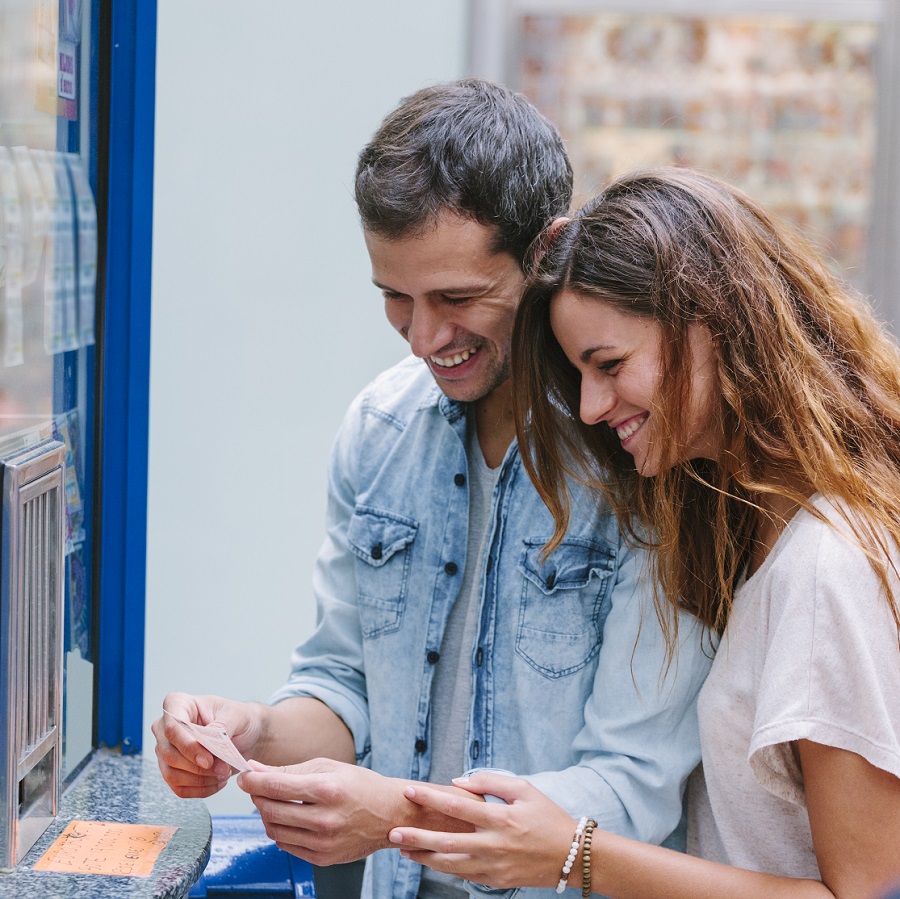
[(217, 741)]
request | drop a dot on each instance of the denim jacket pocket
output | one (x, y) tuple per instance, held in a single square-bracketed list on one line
[(381, 542), (565, 601)]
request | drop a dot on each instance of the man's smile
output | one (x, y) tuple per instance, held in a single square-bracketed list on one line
[(455, 359)]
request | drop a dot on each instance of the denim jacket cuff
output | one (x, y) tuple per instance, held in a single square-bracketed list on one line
[(479, 889)]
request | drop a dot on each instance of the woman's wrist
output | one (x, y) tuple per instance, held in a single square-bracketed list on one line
[(581, 869), (572, 854), (586, 842)]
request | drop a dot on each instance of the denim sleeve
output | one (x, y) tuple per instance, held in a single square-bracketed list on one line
[(640, 739), (329, 665)]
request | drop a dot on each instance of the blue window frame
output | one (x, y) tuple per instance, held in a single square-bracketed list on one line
[(126, 69)]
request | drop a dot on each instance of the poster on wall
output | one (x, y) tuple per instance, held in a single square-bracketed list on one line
[(47, 23), (56, 57)]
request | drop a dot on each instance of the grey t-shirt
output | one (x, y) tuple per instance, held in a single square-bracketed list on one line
[(810, 652), (451, 690)]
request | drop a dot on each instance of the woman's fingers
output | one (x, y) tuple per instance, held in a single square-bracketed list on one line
[(485, 818), (463, 855), (453, 805), (418, 839), (504, 786)]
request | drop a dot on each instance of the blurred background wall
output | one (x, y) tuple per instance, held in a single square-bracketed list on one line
[(265, 323)]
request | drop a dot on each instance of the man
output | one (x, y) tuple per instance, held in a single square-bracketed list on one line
[(445, 639)]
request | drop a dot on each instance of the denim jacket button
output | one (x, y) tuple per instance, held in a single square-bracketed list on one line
[(459, 480), (376, 551), (421, 745), (433, 656), (451, 568)]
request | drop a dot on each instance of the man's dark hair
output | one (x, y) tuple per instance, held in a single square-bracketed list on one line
[(472, 147)]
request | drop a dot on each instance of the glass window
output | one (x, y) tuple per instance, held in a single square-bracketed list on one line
[(48, 262)]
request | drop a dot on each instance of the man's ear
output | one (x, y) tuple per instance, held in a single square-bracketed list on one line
[(555, 226), (547, 238)]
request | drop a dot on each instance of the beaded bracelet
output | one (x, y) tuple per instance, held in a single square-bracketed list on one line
[(589, 826), (570, 858)]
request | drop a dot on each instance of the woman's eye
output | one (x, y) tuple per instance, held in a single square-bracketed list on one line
[(610, 366)]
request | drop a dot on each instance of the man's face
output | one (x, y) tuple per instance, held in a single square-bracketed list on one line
[(453, 299)]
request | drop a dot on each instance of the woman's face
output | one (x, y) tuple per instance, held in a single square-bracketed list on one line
[(619, 358)]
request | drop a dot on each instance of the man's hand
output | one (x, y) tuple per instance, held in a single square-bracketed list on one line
[(189, 769), (324, 811)]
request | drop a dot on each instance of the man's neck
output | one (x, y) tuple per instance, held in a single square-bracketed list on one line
[(495, 424)]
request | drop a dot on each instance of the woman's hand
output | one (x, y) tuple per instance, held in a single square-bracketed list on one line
[(522, 843)]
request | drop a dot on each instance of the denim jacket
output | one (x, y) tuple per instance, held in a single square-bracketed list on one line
[(569, 681)]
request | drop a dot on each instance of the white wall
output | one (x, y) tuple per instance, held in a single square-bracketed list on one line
[(265, 324)]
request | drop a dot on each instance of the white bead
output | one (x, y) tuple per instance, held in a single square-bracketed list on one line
[(570, 858)]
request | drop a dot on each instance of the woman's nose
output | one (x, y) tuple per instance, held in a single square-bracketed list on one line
[(597, 400)]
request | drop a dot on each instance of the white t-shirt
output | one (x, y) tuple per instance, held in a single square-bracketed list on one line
[(810, 652)]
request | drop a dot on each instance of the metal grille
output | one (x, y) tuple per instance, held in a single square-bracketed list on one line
[(31, 566), (37, 638)]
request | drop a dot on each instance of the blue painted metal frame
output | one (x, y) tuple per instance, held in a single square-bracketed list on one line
[(125, 373), (245, 864)]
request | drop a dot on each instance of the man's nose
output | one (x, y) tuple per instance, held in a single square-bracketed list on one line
[(428, 330), (597, 400)]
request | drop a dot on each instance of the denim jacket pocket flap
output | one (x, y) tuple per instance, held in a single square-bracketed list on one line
[(375, 536), (569, 567), (382, 543), (565, 601)]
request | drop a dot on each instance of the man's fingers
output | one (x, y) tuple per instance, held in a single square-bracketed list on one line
[(198, 792), (178, 777), (283, 787), (291, 814), (191, 786), (179, 749), (314, 857), (315, 838)]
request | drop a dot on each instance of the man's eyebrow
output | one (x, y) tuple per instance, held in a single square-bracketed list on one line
[(469, 291), (463, 291)]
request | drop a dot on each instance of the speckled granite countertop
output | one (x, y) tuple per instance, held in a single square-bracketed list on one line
[(128, 790)]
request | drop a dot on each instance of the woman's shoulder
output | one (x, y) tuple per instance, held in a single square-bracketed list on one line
[(830, 569), (821, 571), (832, 535)]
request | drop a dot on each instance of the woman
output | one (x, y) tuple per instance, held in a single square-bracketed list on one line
[(744, 409)]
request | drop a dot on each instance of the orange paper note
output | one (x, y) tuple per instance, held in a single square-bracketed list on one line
[(102, 847)]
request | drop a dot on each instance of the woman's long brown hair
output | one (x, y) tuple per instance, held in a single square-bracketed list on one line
[(809, 383)]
